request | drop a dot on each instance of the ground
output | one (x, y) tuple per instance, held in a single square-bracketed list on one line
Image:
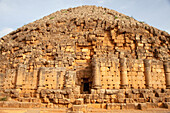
[(47, 110)]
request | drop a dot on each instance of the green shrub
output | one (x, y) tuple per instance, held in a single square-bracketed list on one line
[(3, 99), (141, 21), (116, 17), (51, 18), (64, 11)]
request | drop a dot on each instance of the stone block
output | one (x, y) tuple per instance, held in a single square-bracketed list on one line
[(113, 106), (46, 100), (157, 90), (93, 91), (50, 105), (5, 104), (128, 100), (36, 105), (15, 95), (120, 95), (142, 106), (111, 91), (59, 96), (93, 101), (167, 99), (122, 106), (151, 105), (1, 104), (82, 108), (79, 101), (127, 91), (25, 105), (140, 100), (159, 94), (94, 106), (146, 91), (130, 106), (166, 105), (63, 92), (99, 100), (66, 101), (69, 91), (129, 95), (155, 100), (13, 105), (121, 100), (75, 112), (61, 101), (102, 91), (135, 91), (76, 90), (51, 96), (151, 95), (55, 101)]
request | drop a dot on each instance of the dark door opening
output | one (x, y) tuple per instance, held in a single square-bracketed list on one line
[(86, 87)]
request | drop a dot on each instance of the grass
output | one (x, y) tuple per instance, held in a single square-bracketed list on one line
[(141, 21), (3, 99), (116, 17), (64, 11), (51, 18)]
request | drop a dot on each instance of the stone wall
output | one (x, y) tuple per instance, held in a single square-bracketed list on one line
[(133, 75), (87, 53), (106, 73)]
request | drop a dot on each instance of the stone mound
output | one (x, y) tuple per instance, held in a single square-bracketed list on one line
[(116, 34), (86, 55)]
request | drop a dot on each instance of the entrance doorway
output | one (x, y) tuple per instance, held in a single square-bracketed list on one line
[(86, 86)]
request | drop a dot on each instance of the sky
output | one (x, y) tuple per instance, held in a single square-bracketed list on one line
[(16, 13)]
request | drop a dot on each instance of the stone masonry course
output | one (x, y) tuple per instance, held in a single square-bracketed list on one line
[(85, 57)]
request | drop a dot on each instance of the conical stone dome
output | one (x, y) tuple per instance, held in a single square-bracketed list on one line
[(106, 31), (84, 48)]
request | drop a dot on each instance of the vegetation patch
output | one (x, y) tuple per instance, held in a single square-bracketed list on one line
[(64, 11), (51, 18), (141, 22), (116, 17), (3, 99)]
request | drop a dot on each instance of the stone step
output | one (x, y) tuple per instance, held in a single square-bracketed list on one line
[(33, 111)]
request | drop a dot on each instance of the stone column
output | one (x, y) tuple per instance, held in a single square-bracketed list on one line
[(60, 71), (167, 73), (21, 72), (60, 79), (96, 74), (41, 82), (123, 73), (70, 79), (35, 78), (147, 72), (2, 76)]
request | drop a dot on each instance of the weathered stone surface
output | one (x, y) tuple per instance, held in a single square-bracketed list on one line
[(167, 105), (79, 101), (85, 55), (110, 92), (142, 106)]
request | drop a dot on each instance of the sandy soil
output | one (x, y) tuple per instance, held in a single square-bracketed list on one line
[(46, 110)]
